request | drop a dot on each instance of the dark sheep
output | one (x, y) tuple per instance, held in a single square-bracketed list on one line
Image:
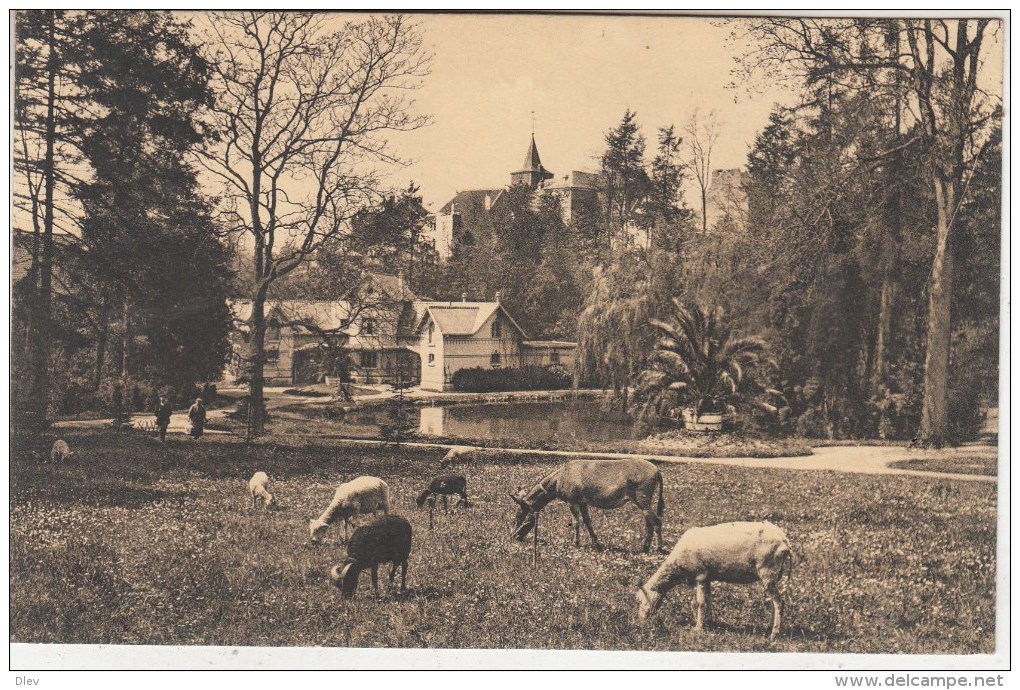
[(387, 540), (445, 485)]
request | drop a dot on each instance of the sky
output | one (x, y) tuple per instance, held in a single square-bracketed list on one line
[(578, 75)]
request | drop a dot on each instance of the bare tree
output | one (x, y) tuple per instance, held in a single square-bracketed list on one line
[(935, 64), (702, 133), (303, 104)]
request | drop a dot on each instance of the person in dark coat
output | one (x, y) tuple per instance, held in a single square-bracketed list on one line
[(197, 416), (163, 411)]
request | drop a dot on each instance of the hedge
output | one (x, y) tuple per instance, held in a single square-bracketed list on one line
[(529, 378)]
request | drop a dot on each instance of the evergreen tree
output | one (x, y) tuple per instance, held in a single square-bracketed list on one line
[(140, 253)]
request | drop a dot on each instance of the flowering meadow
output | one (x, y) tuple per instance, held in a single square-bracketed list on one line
[(132, 542)]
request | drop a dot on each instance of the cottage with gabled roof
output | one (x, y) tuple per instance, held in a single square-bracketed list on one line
[(450, 336), (416, 340), (365, 327)]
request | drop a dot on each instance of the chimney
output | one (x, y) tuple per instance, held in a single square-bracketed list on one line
[(463, 297), (497, 295)]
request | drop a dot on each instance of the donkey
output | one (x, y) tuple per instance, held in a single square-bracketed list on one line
[(603, 484)]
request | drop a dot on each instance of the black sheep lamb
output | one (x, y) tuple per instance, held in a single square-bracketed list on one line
[(445, 485)]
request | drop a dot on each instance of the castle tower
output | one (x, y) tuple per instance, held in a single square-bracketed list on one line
[(532, 174)]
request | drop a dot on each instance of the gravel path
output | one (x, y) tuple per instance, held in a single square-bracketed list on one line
[(855, 459)]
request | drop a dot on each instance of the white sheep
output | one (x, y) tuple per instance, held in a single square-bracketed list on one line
[(459, 454), (357, 497), (736, 552), (258, 487), (60, 451)]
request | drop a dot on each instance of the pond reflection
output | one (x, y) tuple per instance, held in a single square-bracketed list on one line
[(585, 420)]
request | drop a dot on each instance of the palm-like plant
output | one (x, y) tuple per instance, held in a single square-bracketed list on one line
[(697, 362)]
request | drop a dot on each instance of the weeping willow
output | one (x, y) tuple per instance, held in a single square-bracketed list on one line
[(613, 334)]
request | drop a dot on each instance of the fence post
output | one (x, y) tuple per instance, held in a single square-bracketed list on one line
[(534, 553)]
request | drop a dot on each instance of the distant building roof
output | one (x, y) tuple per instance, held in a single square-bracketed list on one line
[(576, 179), (331, 315), (393, 286), (21, 254), (305, 315), (471, 201), (532, 163), (461, 318)]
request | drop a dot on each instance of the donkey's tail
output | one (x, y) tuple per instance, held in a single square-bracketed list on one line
[(662, 504)]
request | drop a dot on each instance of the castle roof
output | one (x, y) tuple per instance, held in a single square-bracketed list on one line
[(532, 163), (471, 201), (576, 179)]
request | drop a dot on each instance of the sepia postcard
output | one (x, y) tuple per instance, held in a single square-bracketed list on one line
[(532, 340)]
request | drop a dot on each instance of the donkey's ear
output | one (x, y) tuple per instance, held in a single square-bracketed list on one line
[(518, 501)]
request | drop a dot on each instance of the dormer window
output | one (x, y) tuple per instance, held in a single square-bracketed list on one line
[(273, 330), (497, 329), (368, 326), (432, 329)]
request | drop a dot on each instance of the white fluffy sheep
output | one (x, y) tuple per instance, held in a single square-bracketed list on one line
[(357, 497), (460, 454), (60, 451), (736, 552), (258, 487)]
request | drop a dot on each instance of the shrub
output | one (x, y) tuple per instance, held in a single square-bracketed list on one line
[(529, 378), (241, 411)]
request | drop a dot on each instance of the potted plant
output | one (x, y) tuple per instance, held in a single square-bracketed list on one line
[(698, 367)]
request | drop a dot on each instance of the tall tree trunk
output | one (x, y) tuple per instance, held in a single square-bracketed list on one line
[(97, 376), (125, 355), (704, 207), (934, 408), (883, 329), (256, 362), (40, 354), (890, 246)]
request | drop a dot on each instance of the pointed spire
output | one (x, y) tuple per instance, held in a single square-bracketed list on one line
[(533, 173), (532, 163)]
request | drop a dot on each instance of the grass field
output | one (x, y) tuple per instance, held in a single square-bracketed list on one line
[(137, 543), (982, 460)]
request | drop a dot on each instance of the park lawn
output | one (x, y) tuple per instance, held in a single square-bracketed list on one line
[(979, 459), (141, 544)]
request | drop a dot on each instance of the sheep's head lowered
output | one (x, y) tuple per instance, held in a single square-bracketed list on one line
[(316, 528), (345, 578), (648, 602)]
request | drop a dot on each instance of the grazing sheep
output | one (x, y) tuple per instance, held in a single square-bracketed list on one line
[(386, 540), (60, 451), (736, 552), (459, 454), (258, 487), (356, 497), (445, 485)]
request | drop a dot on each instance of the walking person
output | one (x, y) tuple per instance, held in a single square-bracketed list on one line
[(197, 416), (163, 411)]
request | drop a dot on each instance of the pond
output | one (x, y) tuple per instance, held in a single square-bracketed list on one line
[(584, 420)]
